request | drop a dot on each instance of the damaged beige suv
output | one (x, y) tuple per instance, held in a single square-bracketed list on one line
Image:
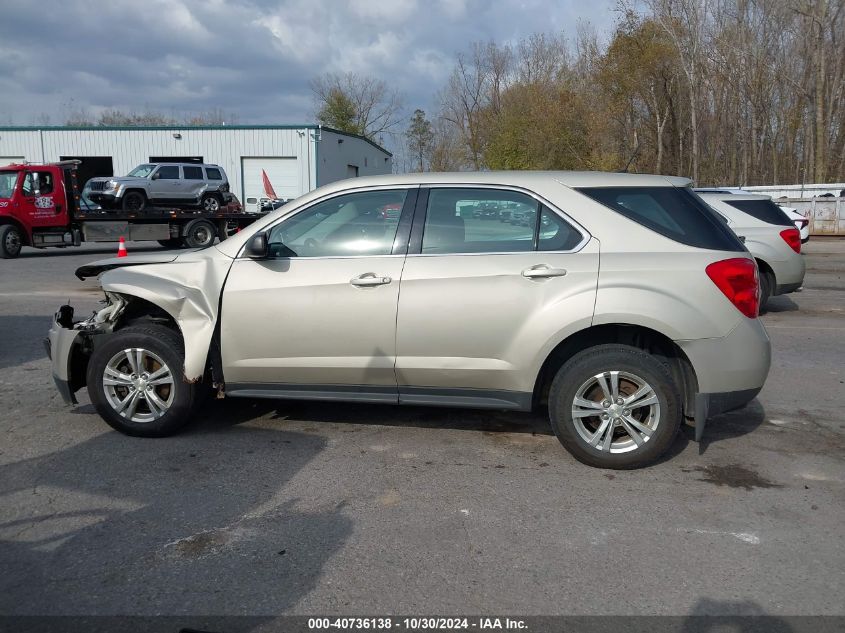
[(625, 305)]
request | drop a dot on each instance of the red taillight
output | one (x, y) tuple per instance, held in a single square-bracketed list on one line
[(737, 279), (793, 238)]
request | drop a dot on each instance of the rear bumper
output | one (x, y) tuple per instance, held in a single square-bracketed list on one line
[(730, 371), (737, 362), (783, 289), (789, 273), (708, 405)]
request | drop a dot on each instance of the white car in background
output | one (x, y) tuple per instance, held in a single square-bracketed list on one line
[(801, 222), (769, 235)]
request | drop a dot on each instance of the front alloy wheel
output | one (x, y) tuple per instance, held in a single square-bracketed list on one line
[(135, 381), (138, 385)]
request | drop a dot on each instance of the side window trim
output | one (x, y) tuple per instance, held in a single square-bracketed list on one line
[(403, 231), (415, 245), (420, 211)]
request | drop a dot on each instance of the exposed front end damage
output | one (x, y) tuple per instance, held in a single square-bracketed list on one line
[(185, 293), (69, 344)]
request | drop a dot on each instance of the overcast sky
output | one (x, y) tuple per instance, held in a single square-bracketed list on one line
[(253, 58)]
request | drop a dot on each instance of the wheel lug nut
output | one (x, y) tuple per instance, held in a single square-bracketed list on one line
[(619, 401), (605, 403), (604, 416), (626, 412)]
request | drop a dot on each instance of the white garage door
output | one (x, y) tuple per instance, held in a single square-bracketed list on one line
[(283, 174), (8, 160)]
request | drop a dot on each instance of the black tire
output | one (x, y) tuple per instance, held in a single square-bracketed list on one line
[(579, 370), (166, 345), (10, 241), (133, 201), (766, 286), (211, 202), (173, 242), (199, 234)]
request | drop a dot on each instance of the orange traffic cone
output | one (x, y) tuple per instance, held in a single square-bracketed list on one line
[(121, 249)]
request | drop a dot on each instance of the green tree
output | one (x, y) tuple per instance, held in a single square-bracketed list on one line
[(538, 126), (338, 111), (420, 137), (357, 104)]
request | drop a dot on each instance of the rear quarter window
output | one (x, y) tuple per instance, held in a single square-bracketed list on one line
[(213, 173), (764, 210), (674, 212)]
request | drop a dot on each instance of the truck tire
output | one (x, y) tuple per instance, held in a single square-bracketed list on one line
[(199, 234), (211, 202), (10, 241), (615, 406), (135, 381), (134, 201)]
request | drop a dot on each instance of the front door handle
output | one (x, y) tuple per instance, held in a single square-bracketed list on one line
[(369, 279), (541, 271)]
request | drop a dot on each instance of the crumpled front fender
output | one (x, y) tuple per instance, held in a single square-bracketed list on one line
[(188, 289)]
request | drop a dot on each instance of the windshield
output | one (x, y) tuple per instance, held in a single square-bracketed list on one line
[(141, 171), (8, 180)]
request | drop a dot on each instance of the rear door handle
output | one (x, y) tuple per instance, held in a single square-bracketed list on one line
[(370, 279), (541, 271)]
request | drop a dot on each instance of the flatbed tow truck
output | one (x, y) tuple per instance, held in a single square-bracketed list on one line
[(41, 206)]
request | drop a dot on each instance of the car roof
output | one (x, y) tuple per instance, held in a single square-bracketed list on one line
[(190, 164), (523, 178), (732, 196)]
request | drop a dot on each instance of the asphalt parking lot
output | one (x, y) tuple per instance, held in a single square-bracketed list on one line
[(307, 508)]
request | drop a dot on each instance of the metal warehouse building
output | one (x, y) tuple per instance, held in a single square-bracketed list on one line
[(296, 158)]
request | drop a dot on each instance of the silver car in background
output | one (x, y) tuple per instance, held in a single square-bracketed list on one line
[(179, 184), (625, 307), (770, 236)]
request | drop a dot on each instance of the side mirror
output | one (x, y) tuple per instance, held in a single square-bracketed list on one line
[(155, 176), (256, 248)]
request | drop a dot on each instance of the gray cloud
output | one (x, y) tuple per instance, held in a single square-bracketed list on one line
[(253, 58)]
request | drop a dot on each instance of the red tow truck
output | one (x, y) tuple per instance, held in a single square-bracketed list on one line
[(41, 206)]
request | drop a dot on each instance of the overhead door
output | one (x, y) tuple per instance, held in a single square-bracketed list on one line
[(282, 175), (8, 160)]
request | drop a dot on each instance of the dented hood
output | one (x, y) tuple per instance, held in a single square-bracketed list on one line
[(187, 286), (95, 268)]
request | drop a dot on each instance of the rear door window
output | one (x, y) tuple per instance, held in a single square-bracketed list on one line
[(764, 210), (192, 173), (674, 212)]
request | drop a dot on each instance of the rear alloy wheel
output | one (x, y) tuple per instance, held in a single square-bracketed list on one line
[(134, 201), (199, 234), (10, 242), (210, 203), (135, 381), (615, 406)]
